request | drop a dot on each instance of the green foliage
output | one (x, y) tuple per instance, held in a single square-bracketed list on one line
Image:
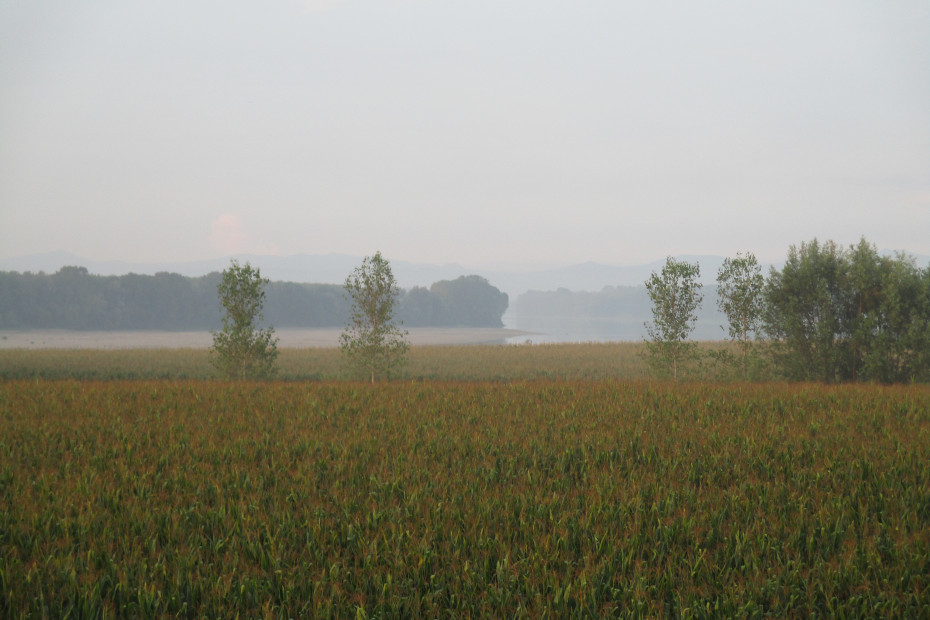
[(740, 296), (805, 306), (419, 307), (243, 350), (467, 301), (530, 499), (887, 322), (901, 350), (676, 296), (371, 340), (293, 304), (72, 298), (849, 315), (470, 301), (830, 314)]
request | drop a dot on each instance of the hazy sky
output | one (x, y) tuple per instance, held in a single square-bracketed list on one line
[(487, 133)]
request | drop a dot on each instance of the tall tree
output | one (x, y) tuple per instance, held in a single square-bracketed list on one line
[(371, 340), (896, 346), (862, 322), (849, 315), (676, 296), (740, 288), (242, 350), (805, 311)]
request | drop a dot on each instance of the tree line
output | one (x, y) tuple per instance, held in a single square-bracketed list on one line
[(830, 314), (72, 298)]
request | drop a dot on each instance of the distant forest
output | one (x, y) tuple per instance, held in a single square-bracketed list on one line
[(72, 298)]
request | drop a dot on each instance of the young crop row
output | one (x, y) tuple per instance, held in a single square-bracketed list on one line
[(425, 499)]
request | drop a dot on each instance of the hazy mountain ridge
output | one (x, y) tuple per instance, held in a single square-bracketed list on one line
[(300, 268), (333, 269)]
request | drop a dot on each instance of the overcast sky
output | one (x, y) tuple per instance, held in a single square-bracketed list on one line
[(489, 133)]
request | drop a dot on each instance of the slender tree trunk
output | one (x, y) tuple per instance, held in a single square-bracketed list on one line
[(746, 360), (745, 342), (855, 346)]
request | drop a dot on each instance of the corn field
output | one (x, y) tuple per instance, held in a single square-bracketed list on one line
[(614, 360), (527, 498)]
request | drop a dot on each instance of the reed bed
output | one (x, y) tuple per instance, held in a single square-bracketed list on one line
[(538, 498)]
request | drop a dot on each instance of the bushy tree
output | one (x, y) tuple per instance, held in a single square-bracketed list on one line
[(904, 340), (887, 323), (467, 301), (740, 296), (242, 350), (849, 315), (471, 301), (861, 322), (371, 340), (676, 296), (804, 311)]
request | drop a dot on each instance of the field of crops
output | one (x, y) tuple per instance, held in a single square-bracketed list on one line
[(615, 360), (534, 498)]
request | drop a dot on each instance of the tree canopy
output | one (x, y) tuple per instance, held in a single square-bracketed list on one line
[(372, 339), (243, 349), (467, 301), (740, 290), (676, 297), (838, 314)]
